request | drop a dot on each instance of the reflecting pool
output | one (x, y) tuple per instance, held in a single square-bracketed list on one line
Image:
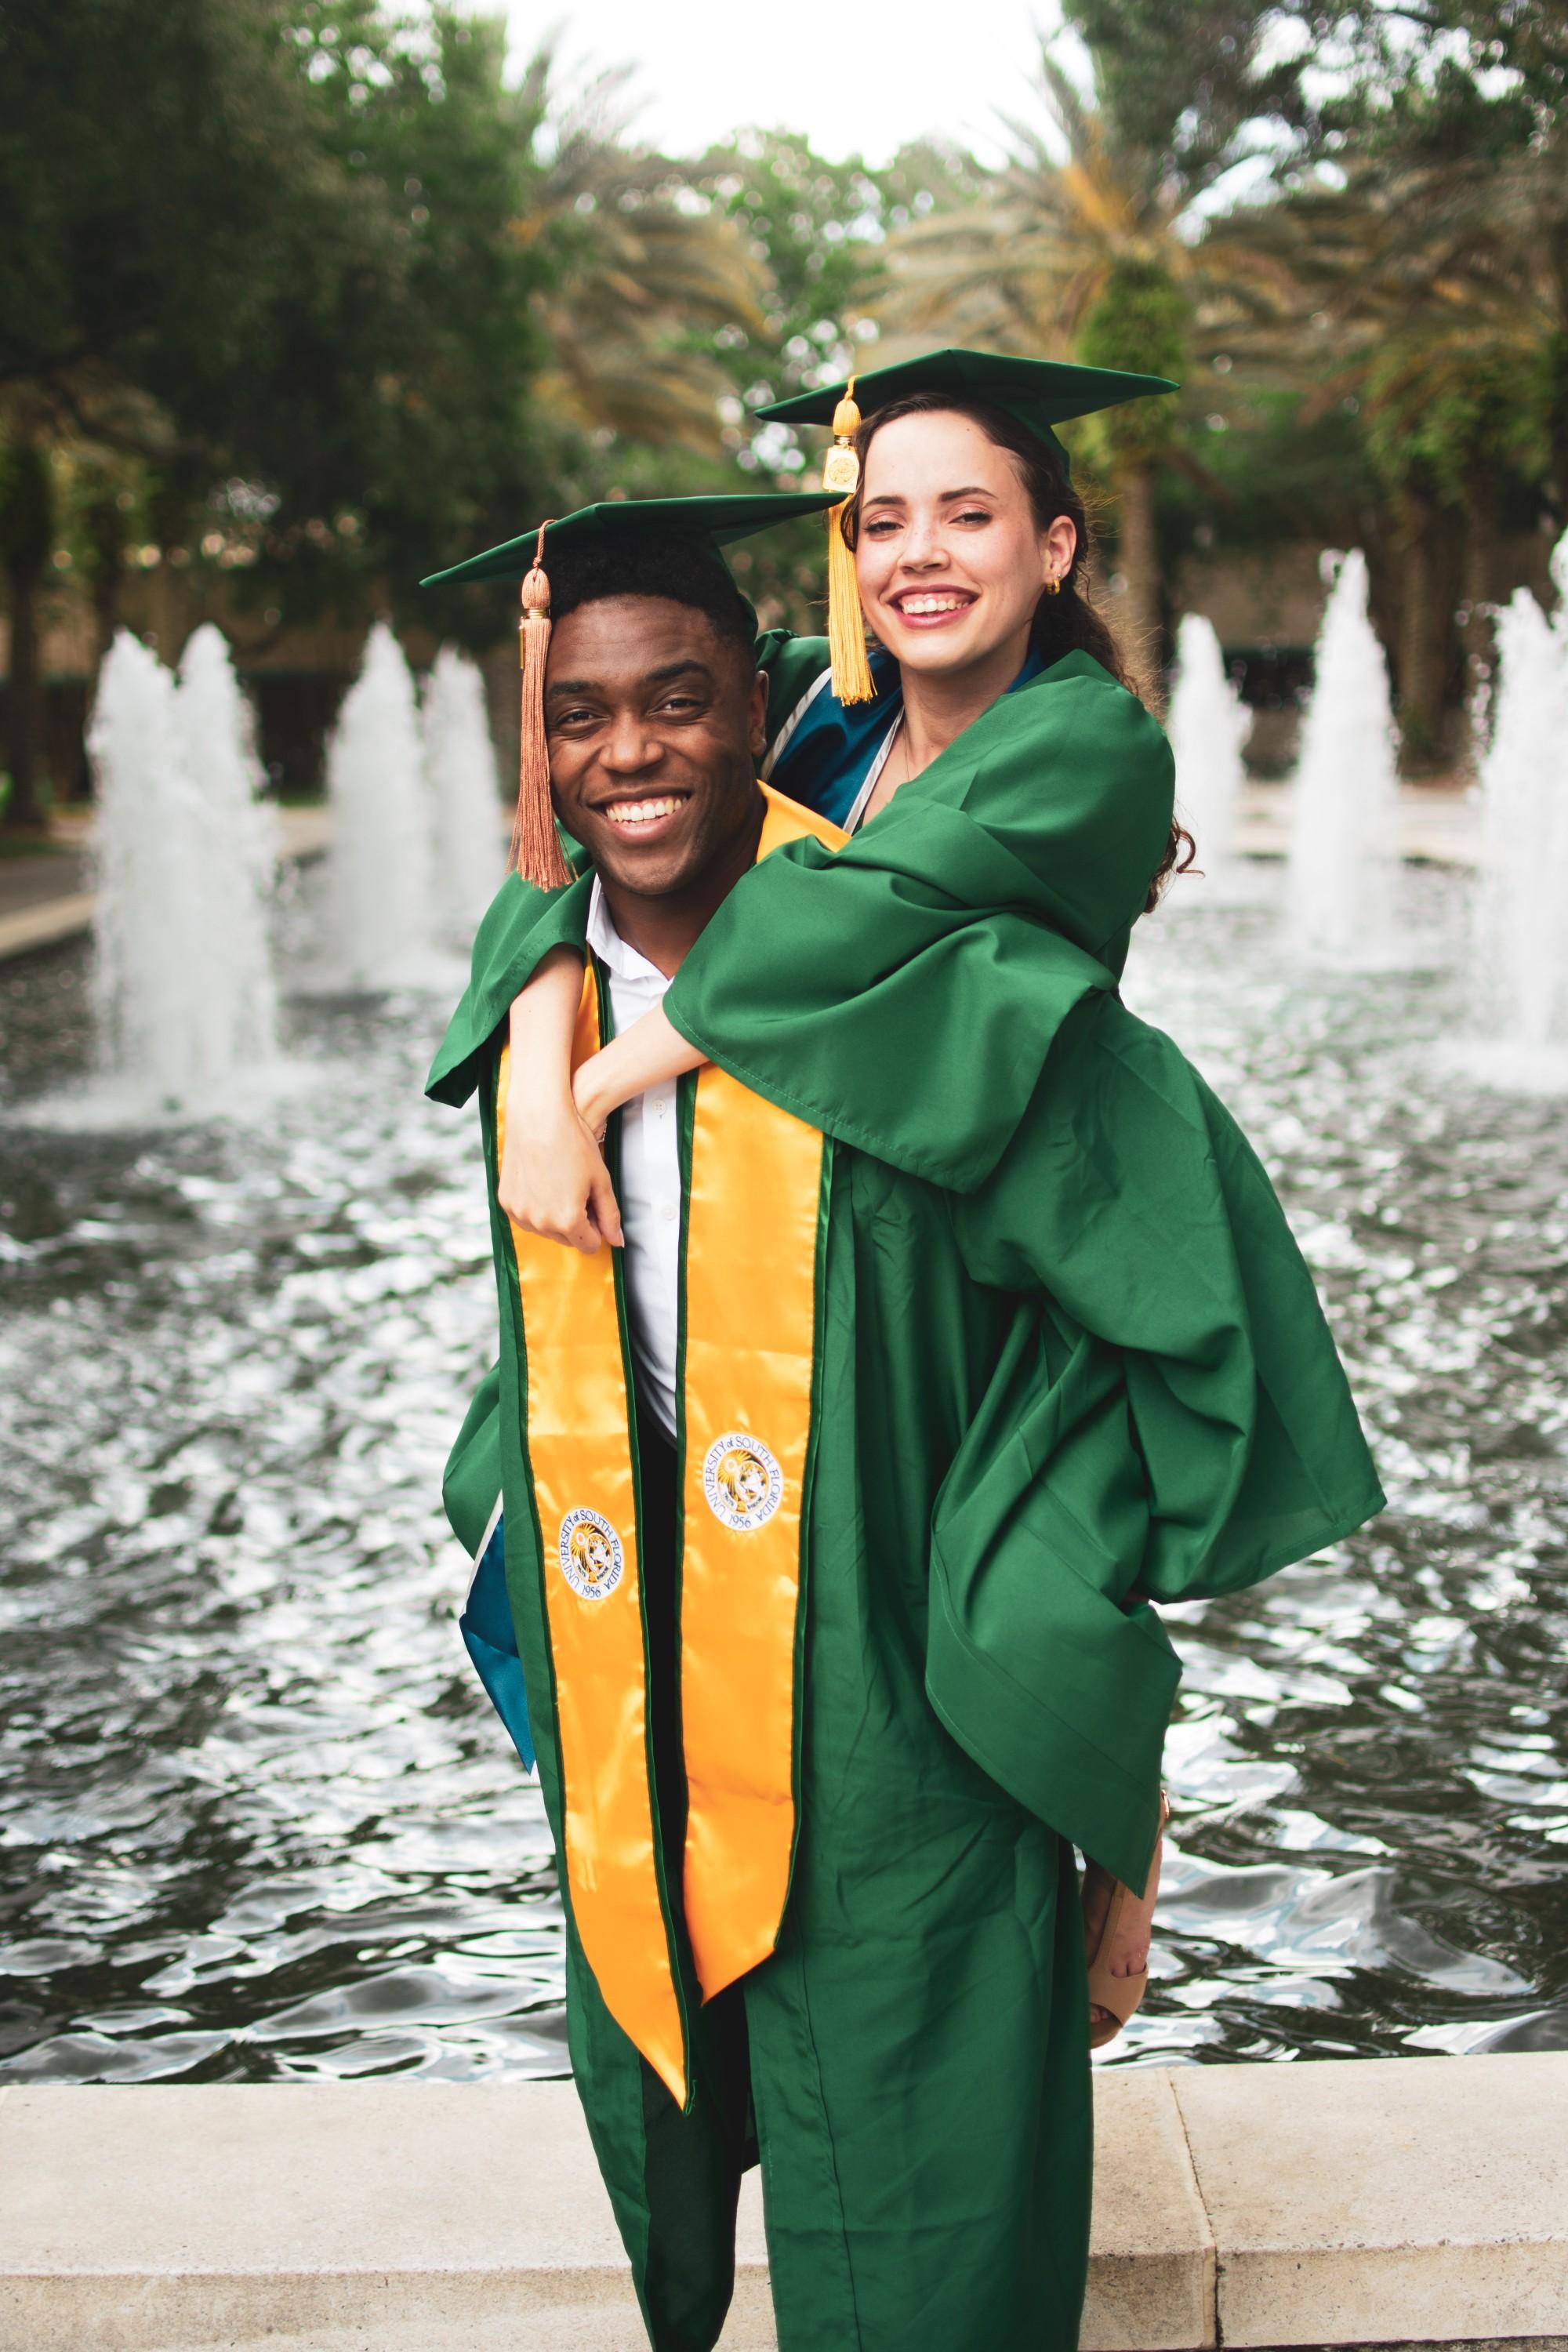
[(256, 1820)]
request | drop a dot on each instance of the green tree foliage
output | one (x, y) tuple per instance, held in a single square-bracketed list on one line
[(1415, 207), (817, 235), (391, 422), (650, 282), (268, 256), (312, 290), (1140, 322), (1083, 230), (1292, 78)]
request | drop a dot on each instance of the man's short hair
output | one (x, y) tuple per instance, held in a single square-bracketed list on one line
[(677, 568)]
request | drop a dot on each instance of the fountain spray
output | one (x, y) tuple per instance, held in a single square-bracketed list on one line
[(1208, 726), (1345, 876), (1520, 943), (239, 837), (380, 914), (181, 982), (468, 840)]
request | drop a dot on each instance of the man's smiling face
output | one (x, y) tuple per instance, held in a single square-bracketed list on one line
[(655, 721)]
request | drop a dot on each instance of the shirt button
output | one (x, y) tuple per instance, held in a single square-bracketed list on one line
[(669, 1212)]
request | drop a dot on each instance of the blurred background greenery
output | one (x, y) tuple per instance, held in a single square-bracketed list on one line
[(299, 299)]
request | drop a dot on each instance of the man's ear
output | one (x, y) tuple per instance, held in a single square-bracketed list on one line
[(759, 716)]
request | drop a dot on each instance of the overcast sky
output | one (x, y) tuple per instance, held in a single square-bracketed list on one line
[(855, 77)]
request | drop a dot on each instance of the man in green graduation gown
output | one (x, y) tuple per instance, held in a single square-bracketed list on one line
[(826, 1690)]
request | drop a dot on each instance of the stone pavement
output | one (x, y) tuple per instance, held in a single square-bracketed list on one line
[(1337, 2202)]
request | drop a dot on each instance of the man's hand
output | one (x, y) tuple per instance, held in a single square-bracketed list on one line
[(553, 1180)]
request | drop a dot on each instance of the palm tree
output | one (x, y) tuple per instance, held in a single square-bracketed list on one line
[(1086, 246), (1429, 291), (1444, 421), (645, 273)]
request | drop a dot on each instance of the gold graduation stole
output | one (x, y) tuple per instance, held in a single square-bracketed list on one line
[(752, 1247)]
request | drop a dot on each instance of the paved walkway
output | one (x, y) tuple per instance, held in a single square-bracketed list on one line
[(49, 897), (1438, 824)]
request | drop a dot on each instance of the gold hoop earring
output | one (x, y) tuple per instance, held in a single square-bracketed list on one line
[(1053, 583)]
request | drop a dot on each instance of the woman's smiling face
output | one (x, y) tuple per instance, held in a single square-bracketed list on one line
[(949, 557)]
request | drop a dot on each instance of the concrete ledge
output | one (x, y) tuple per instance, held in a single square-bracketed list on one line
[(1404, 2199), (1386, 2203), (42, 926)]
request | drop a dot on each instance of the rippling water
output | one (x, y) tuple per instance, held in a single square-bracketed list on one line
[(255, 1821)]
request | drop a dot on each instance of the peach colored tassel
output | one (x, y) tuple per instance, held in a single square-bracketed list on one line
[(535, 843)]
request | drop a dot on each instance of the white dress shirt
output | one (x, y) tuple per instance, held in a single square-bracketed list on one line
[(649, 1188)]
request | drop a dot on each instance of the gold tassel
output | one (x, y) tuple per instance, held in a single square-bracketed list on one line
[(845, 627), (535, 844)]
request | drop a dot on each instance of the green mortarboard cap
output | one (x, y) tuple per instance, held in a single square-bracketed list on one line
[(1041, 394), (716, 521), (713, 523)]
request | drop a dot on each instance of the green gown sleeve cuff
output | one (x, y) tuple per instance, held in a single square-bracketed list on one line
[(521, 928), (902, 993)]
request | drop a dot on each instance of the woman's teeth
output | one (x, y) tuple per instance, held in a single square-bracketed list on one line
[(632, 812), (917, 606)]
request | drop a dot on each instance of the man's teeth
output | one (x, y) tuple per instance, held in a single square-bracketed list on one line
[(921, 605), (640, 812)]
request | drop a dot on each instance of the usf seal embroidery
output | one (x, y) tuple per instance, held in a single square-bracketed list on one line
[(592, 1559), (742, 1481)]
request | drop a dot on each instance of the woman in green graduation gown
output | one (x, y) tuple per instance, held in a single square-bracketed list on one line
[(1070, 1364), (971, 555)]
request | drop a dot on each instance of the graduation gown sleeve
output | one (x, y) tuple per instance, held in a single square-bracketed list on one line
[(519, 927), (901, 993), (1178, 1422)]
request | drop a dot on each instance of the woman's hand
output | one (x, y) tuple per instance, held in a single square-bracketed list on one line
[(553, 1180)]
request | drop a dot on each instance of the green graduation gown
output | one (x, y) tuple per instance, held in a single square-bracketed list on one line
[(1062, 1345)]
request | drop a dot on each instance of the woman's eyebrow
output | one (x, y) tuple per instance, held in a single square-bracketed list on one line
[(897, 497)]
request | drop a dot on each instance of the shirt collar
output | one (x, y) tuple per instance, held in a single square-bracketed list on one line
[(620, 960)]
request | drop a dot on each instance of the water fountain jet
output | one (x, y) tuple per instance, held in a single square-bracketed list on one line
[(379, 910), (182, 984), (460, 764), (1343, 876), (239, 838), (1519, 941), (1208, 726)]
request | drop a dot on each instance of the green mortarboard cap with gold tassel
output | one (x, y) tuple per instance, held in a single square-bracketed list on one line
[(1039, 394), (712, 523)]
